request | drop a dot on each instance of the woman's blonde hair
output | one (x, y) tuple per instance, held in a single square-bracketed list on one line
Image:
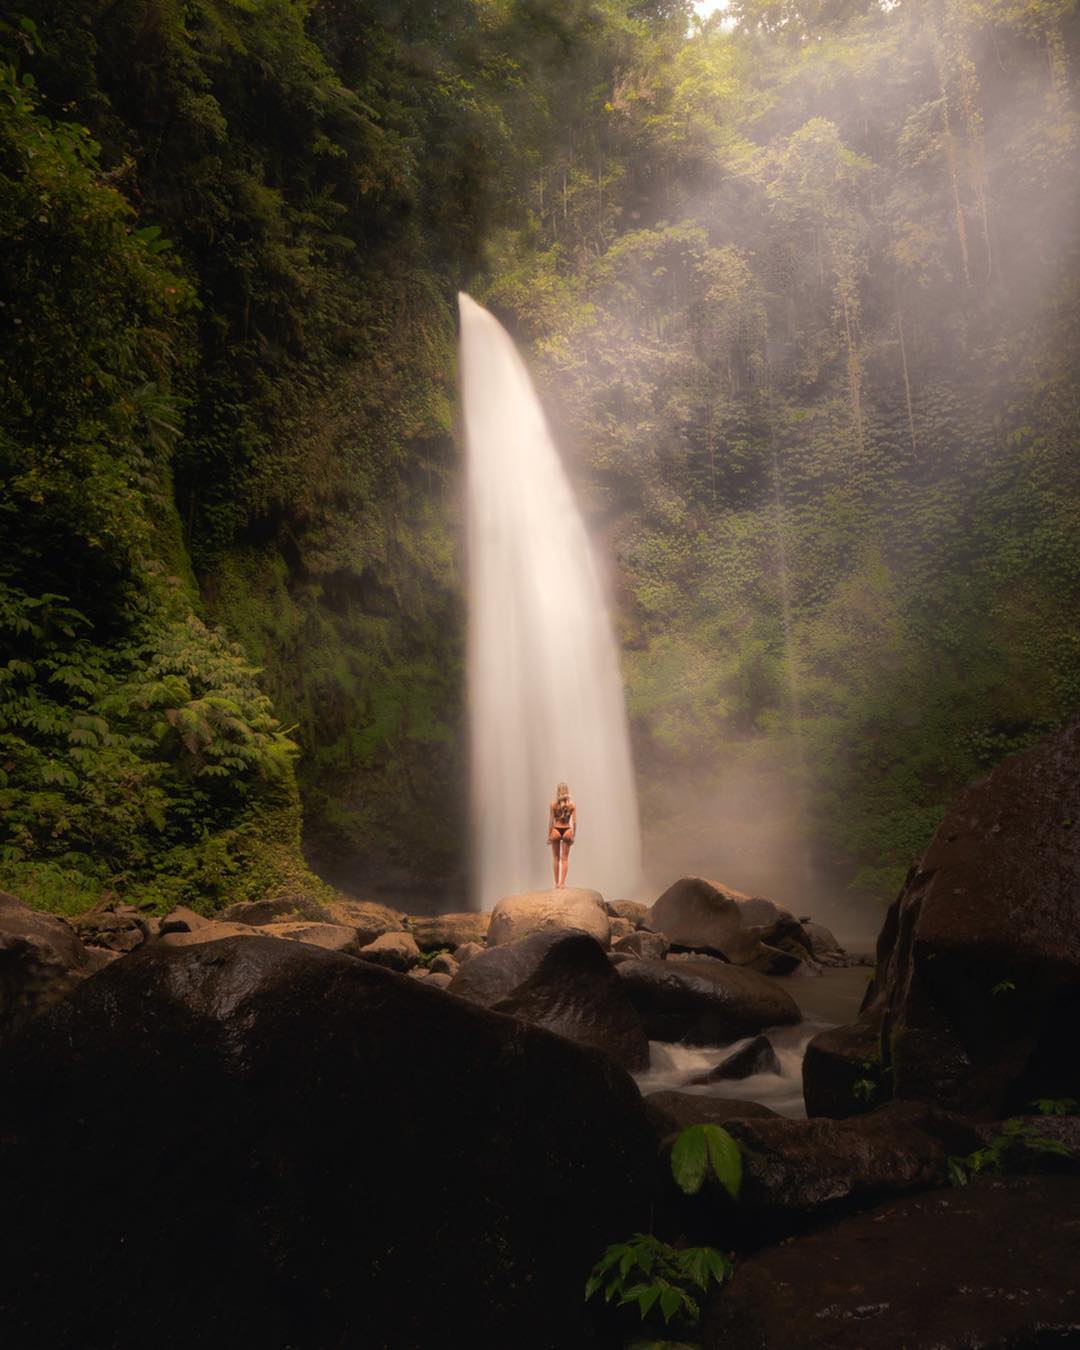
[(562, 799)]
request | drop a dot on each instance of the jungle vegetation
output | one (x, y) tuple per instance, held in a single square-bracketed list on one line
[(799, 285)]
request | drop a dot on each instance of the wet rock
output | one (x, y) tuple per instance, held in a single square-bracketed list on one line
[(772, 961), (797, 1172), (444, 964), (672, 1112), (644, 945), (704, 1003), (977, 985), (272, 1061), (467, 951), (334, 937), (41, 961), (369, 919), (756, 1057), (517, 916), (564, 982), (636, 913), (448, 930), (842, 1072), (991, 1265), (256, 913), (394, 951)]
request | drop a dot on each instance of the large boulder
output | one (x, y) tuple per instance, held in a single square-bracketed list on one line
[(448, 930), (41, 962), (977, 986), (315, 1141), (709, 916), (991, 1265), (797, 1172), (516, 916), (842, 1073), (562, 981), (705, 1003)]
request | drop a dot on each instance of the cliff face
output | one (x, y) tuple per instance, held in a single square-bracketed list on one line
[(800, 300)]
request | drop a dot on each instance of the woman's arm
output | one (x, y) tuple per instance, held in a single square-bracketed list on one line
[(573, 823)]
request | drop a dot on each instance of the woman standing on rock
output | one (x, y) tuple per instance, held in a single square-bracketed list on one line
[(562, 824)]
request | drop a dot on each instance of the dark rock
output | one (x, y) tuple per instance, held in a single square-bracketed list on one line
[(448, 930), (797, 1172), (369, 919), (247, 1070), (822, 942), (394, 951), (112, 924), (334, 937), (644, 945), (516, 916), (672, 1112), (704, 1003), (842, 1074), (438, 979), (636, 913), (563, 981), (621, 928), (992, 1265), (257, 912), (756, 1057), (977, 985), (444, 964), (773, 961), (467, 951), (41, 962)]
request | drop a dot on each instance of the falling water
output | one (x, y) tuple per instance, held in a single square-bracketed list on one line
[(545, 695)]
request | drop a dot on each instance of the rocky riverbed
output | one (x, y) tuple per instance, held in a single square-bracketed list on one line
[(298, 1127)]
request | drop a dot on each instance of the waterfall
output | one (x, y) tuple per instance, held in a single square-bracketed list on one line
[(545, 694)]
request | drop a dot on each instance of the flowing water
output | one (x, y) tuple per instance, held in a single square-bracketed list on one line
[(546, 698), (827, 1001)]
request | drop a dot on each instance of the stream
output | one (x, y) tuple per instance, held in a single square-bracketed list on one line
[(826, 1001)]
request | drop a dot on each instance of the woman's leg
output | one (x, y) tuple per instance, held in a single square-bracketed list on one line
[(564, 861), (555, 862)]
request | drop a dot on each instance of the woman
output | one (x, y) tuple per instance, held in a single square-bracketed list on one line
[(562, 824)]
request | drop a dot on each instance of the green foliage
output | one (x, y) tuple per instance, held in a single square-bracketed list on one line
[(701, 1149), (1010, 1150), (1057, 1106), (132, 766), (653, 1274)]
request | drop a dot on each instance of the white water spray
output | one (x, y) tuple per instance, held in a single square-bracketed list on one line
[(545, 694)]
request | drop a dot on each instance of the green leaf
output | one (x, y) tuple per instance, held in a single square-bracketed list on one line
[(725, 1159), (689, 1158)]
